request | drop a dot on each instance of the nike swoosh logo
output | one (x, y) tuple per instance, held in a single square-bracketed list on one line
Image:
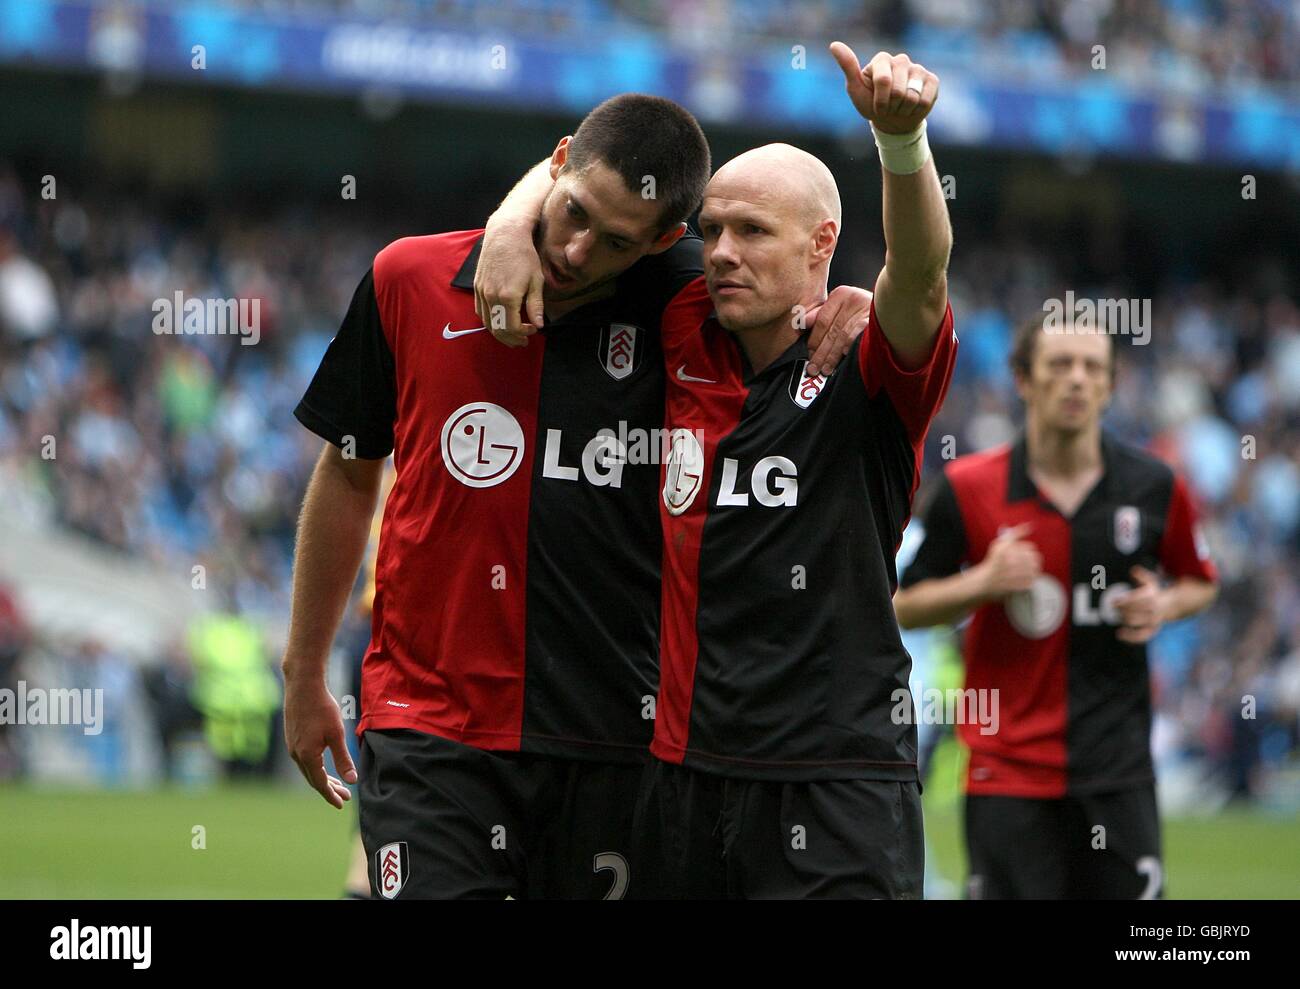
[(449, 334), (683, 376)]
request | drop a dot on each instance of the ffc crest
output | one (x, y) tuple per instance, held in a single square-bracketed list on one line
[(392, 867), (620, 349), (804, 388), (1128, 529)]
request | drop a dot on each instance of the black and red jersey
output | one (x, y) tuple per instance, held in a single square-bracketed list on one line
[(783, 503), (517, 578), (1074, 701)]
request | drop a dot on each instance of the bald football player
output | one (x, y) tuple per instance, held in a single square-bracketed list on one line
[(783, 767)]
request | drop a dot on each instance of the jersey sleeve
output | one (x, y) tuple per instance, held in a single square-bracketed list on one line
[(942, 548), (354, 391), (916, 395), (1183, 550)]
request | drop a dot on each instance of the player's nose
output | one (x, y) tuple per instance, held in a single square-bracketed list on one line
[(578, 250), (725, 254)]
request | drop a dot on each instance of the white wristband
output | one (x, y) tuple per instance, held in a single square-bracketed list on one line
[(902, 154)]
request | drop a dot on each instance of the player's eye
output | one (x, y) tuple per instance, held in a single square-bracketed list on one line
[(709, 229), (618, 245), (573, 210), (754, 228)]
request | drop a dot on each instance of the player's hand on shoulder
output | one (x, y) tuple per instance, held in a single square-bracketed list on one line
[(509, 278), (891, 91), (1012, 563), (312, 724), (834, 325)]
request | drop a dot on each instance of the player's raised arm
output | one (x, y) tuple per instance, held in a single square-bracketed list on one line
[(895, 95), (509, 272)]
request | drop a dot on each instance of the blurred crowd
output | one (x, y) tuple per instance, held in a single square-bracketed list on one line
[(1190, 44), (183, 449)]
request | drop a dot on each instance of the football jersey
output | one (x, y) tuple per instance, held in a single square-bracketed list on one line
[(783, 504), (1074, 703), (516, 597)]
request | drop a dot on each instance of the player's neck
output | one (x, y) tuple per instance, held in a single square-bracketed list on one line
[(764, 344), (1061, 454), (555, 308)]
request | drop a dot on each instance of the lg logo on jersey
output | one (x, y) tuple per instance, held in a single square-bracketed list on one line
[(773, 481), (482, 444), (602, 460), (1105, 612), (1039, 611)]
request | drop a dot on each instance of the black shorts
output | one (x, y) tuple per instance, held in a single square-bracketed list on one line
[(1097, 846), (442, 820), (701, 836)]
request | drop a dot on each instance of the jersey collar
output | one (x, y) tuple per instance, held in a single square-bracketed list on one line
[(465, 277), (1021, 487), (796, 351)]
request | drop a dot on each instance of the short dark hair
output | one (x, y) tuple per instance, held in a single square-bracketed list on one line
[(1024, 343), (636, 136)]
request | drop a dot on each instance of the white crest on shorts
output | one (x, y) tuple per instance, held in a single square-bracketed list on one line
[(1128, 529), (392, 866)]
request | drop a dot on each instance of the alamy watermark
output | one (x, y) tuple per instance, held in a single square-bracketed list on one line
[(1116, 317), (132, 943), (55, 706), (947, 707), (179, 316)]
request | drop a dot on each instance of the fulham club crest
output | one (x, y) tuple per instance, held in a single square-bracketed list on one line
[(620, 349), (392, 867), (805, 387), (1128, 529)]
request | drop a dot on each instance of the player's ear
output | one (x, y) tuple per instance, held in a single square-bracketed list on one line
[(560, 155), (824, 238), (667, 239), (1022, 386), (1021, 379)]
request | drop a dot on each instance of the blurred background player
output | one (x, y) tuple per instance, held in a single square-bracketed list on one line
[(1053, 543)]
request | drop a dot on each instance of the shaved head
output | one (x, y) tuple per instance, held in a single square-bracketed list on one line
[(786, 177), (770, 221)]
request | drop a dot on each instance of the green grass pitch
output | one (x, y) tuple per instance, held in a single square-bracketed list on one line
[(284, 842)]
